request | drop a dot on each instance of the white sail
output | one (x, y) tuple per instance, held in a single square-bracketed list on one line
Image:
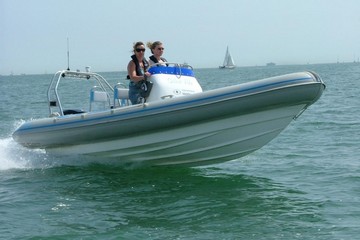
[(228, 60)]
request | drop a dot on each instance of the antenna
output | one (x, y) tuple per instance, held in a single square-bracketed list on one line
[(68, 55)]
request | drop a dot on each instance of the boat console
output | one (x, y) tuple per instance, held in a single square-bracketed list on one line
[(171, 81)]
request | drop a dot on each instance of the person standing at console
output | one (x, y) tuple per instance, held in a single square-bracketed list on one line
[(137, 72)]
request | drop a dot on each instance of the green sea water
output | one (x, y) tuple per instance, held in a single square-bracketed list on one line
[(305, 184)]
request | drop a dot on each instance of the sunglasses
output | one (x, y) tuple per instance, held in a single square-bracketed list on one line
[(160, 49), (140, 50)]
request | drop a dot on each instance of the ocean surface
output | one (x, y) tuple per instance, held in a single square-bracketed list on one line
[(305, 184)]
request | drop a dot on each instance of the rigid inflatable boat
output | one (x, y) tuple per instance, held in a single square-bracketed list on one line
[(178, 123)]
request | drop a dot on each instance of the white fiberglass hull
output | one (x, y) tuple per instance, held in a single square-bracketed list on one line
[(198, 144)]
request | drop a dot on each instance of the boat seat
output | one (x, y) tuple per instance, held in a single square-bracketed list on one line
[(121, 96), (99, 96)]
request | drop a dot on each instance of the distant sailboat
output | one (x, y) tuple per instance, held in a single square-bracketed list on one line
[(228, 61)]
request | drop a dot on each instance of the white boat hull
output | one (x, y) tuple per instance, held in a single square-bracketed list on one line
[(198, 144)]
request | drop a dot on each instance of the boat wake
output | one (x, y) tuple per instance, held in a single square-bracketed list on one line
[(14, 156)]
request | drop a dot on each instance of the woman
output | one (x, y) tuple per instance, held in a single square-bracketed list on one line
[(157, 50), (137, 72)]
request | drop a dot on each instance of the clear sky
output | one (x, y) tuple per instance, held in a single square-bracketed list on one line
[(33, 33)]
